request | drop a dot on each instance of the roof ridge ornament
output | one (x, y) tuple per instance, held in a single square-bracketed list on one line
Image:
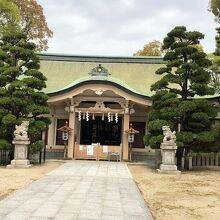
[(99, 71)]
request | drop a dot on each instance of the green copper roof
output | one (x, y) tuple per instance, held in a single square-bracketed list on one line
[(135, 74), (98, 79)]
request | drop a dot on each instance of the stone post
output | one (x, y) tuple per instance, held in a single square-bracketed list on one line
[(168, 151), (190, 161), (183, 163), (199, 160), (216, 160), (207, 159), (212, 159), (203, 160)]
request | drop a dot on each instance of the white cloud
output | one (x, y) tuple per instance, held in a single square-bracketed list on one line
[(121, 27)]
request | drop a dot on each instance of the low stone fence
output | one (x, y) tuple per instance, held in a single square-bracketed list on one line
[(49, 154), (34, 158), (38, 157), (144, 156), (196, 160), (54, 154), (4, 157)]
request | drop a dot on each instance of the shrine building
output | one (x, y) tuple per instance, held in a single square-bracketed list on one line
[(99, 96)]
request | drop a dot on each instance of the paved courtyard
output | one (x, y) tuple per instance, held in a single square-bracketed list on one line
[(79, 190)]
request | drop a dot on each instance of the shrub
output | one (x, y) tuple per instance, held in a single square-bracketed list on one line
[(35, 147)]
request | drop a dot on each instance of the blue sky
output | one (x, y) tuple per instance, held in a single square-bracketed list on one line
[(121, 27)]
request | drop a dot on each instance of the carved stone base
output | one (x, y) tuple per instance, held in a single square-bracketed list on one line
[(19, 164), (168, 151), (169, 169), (20, 153)]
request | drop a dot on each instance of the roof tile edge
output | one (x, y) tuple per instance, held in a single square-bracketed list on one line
[(102, 59)]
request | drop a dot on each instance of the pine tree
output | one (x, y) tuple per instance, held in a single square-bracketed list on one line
[(214, 7), (217, 40), (178, 100), (215, 68), (163, 112), (21, 84)]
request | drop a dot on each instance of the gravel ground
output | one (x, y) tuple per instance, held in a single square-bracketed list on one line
[(191, 195)]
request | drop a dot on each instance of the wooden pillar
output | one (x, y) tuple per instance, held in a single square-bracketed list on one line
[(71, 140), (51, 133), (76, 132), (125, 136)]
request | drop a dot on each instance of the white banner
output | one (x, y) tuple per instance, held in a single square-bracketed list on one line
[(90, 150), (105, 149)]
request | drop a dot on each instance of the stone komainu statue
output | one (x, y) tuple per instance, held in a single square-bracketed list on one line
[(168, 134), (21, 130)]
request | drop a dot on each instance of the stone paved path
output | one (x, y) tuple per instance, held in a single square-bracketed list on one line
[(79, 190)]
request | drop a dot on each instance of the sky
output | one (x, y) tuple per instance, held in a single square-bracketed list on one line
[(121, 27)]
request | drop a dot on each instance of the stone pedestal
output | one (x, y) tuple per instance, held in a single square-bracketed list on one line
[(20, 153), (168, 150)]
